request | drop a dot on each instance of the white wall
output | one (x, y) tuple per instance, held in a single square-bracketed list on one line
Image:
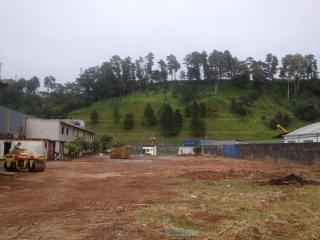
[(1, 150), (301, 139), (52, 130), (186, 150), (33, 147), (150, 150), (71, 133), (42, 129)]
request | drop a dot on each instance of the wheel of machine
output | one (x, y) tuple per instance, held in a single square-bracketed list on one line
[(13, 167), (31, 167), (40, 167), (37, 167), (5, 166)]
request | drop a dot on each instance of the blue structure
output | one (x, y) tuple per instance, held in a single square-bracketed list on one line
[(231, 150), (207, 142), (189, 143)]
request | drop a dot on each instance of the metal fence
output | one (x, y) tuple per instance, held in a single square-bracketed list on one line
[(162, 150)]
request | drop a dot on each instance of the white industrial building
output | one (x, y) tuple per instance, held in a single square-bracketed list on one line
[(57, 131), (307, 134), (40, 136)]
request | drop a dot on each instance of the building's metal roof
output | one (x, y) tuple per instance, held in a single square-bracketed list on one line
[(24, 139), (207, 142), (307, 130), (189, 143), (217, 142)]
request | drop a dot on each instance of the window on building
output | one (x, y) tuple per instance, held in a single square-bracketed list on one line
[(308, 141), (62, 130), (46, 145), (67, 132)]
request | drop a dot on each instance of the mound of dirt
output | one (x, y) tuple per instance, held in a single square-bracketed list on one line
[(291, 179), (120, 153)]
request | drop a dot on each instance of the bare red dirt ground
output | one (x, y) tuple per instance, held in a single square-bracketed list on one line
[(96, 198)]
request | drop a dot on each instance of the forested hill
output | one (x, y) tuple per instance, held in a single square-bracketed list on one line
[(118, 77), (217, 95), (240, 113)]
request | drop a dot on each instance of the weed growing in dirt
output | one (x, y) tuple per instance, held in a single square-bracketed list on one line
[(242, 209)]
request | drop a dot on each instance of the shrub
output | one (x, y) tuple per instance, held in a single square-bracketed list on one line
[(280, 118), (242, 105), (105, 142), (94, 146), (241, 80), (202, 110), (307, 112), (128, 122), (188, 111), (197, 150), (94, 116)]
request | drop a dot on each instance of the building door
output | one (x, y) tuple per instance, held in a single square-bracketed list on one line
[(51, 147), (7, 147)]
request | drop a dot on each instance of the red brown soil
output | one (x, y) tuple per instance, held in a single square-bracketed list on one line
[(98, 198)]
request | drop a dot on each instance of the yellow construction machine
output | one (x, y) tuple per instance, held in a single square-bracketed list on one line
[(283, 131), (19, 159)]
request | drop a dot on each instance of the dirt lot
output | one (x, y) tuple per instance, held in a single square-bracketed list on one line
[(159, 198)]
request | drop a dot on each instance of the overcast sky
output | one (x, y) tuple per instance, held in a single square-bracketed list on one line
[(58, 37)]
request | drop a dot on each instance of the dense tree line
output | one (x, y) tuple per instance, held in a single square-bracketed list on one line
[(122, 76)]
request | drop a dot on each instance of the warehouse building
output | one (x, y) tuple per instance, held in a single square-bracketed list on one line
[(12, 123), (40, 136), (60, 132), (307, 134)]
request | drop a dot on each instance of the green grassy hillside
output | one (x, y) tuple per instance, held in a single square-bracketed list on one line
[(225, 125)]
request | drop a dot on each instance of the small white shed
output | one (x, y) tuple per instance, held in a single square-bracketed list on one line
[(309, 133), (185, 150), (150, 150)]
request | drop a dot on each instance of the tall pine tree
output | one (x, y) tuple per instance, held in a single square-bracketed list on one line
[(94, 116), (197, 125), (149, 116), (116, 115), (128, 121), (167, 121), (178, 119)]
